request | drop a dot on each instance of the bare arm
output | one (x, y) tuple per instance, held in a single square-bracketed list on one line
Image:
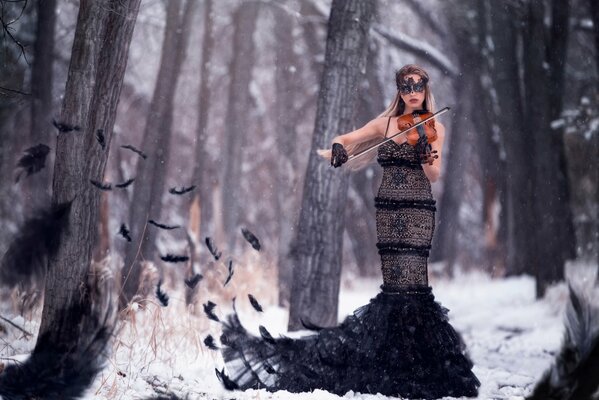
[(433, 172), (373, 129)]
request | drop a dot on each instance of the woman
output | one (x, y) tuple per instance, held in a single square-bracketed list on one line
[(400, 343)]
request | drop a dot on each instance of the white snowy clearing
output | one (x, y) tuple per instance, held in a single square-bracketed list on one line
[(511, 337)]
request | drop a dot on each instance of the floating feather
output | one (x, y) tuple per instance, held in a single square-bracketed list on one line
[(124, 232), (162, 226), (135, 150), (230, 273), (33, 161), (125, 184), (100, 185), (38, 238), (63, 127), (174, 258), (193, 281), (266, 334), (181, 191), (255, 303), (209, 342), (209, 310), (100, 138), (212, 248), (162, 296), (251, 238)]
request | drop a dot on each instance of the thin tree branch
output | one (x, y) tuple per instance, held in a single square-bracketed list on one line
[(419, 48)]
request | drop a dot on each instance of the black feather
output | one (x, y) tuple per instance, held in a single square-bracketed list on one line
[(125, 184), (181, 191), (63, 365), (208, 309), (209, 342), (162, 297), (310, 325), (250, 237), (193, 281), (266, 334), (162, 226), (574, 373), (33, 161), (230, 273), (100, 185), (225, 380), (212, 248), (63, 127), (100, 138), (255, 303), (268, 368), (174, 258), (38, 238), (124, 232), (135, 150)]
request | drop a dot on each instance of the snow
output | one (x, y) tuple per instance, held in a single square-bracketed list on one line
[(511, 337)]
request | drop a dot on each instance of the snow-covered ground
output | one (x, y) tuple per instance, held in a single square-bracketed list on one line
[(511, 337)]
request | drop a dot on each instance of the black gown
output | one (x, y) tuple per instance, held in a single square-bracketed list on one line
[(400, 343)]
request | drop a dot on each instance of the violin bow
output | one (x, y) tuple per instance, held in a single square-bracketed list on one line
[(354, 156)]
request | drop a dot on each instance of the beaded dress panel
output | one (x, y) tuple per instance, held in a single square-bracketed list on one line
[(405, 217)]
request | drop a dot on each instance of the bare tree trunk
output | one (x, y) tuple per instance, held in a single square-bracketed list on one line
[(240, 102), (595, 17), (98, 62), (509, 115), (41, 102), (448, 225), (151, 173), (554, 238), (287, 175), (202, 199), (317, 250)]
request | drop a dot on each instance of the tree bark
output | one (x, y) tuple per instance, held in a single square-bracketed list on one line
[(205, 180), (317, 250), (151, 173), (595, 17), (41, 70), (509, 114), (287, 160), (237, 119), (96, 71), (554, 238)]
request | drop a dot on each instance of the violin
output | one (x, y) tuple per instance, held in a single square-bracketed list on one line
[(423, 135), (425, 130)]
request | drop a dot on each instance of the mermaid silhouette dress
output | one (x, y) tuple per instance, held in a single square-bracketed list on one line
[(399, 344)]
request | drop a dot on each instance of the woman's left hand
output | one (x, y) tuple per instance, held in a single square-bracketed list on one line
[(429, 157)]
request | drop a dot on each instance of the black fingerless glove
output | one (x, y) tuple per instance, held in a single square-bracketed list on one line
[(339, 155)]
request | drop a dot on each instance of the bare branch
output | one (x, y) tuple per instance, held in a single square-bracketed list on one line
[(419, 48), (6, 26)]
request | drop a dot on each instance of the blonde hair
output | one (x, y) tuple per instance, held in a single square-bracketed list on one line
[(395, 109)]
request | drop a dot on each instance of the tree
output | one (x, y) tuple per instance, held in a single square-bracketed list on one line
[(237, 116), (96, 71), (317, 248), (151, 173), (202, 199), (543, 65)]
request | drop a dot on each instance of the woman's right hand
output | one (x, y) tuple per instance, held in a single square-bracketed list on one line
[(339, 155)]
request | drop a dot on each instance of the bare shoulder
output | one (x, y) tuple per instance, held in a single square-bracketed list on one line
[(381, 124), (440, 128)]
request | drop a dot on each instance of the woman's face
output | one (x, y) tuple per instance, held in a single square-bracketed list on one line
[(409, 91)]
